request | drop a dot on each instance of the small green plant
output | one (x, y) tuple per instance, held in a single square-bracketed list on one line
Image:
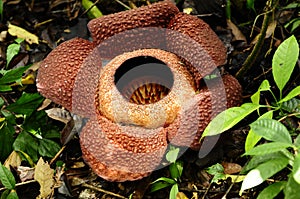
[(8, 181), (175, 169), (280, 151), (13, 49)]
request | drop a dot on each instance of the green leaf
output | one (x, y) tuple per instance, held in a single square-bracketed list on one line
[(176, 169), (172, 155), (7, 178), (93, 12), (264, 86), (12, 195), (12, 50), (262, 172), (291, 190), (295, 92), (159, 185), (164, 179), (21, 144), (284, 61), (1, 102), (26, 104), (13, 75), (296, 169), (268, 148), (217, 171), (271, 130), (5, 194), (174, 191), (259, 159), (228, 118), (250, 5), (5, 88), (48, 148), (292, 105), (297, 141), (272, 190), (7, 137), (252, 138)]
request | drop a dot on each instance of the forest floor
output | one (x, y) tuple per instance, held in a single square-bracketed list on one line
[(56, 21)]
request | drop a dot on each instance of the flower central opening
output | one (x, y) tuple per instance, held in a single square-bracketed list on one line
[(143, 80)]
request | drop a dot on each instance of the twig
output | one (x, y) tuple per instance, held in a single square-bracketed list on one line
[(19, 184), (257, 47), (57, 154), (102, 190), (123, 4)]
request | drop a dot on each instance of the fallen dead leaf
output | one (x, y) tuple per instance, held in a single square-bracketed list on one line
[(22, 33), (25, 173), (230, 168), (44, 176), (59, 114), (13, 160), (237, 34), (181, 195)]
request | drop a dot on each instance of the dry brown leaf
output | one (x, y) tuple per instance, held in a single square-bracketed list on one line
[(59, 114), (45, 104), (269, 32), (181, 195), (22, 33), (230, 168), (13, 160), (237, 34), (25, 173), (44, 176)]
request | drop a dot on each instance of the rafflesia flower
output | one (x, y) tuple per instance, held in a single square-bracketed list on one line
[(148, 79)]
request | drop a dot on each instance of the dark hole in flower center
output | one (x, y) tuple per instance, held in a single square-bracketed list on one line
[(144, 80)]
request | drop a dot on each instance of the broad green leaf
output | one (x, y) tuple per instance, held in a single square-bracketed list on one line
[(159, 185), (172, 155), (7, 137), (12, 195), (228, 118), (264, 86), (26, 104), (291, 190), (284, 61), (262, 172), (13, 75), (271, 130), (268, 148), (272, 190), (297, 141), (7, 178), (295, 92), (252, 138), (259, 159), (292, 105), (296, 169), (164, 179), (48, 148), (93, 12), (21, 144), (174, 191)]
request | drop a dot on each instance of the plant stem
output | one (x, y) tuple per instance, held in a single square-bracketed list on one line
[(270, 7)]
